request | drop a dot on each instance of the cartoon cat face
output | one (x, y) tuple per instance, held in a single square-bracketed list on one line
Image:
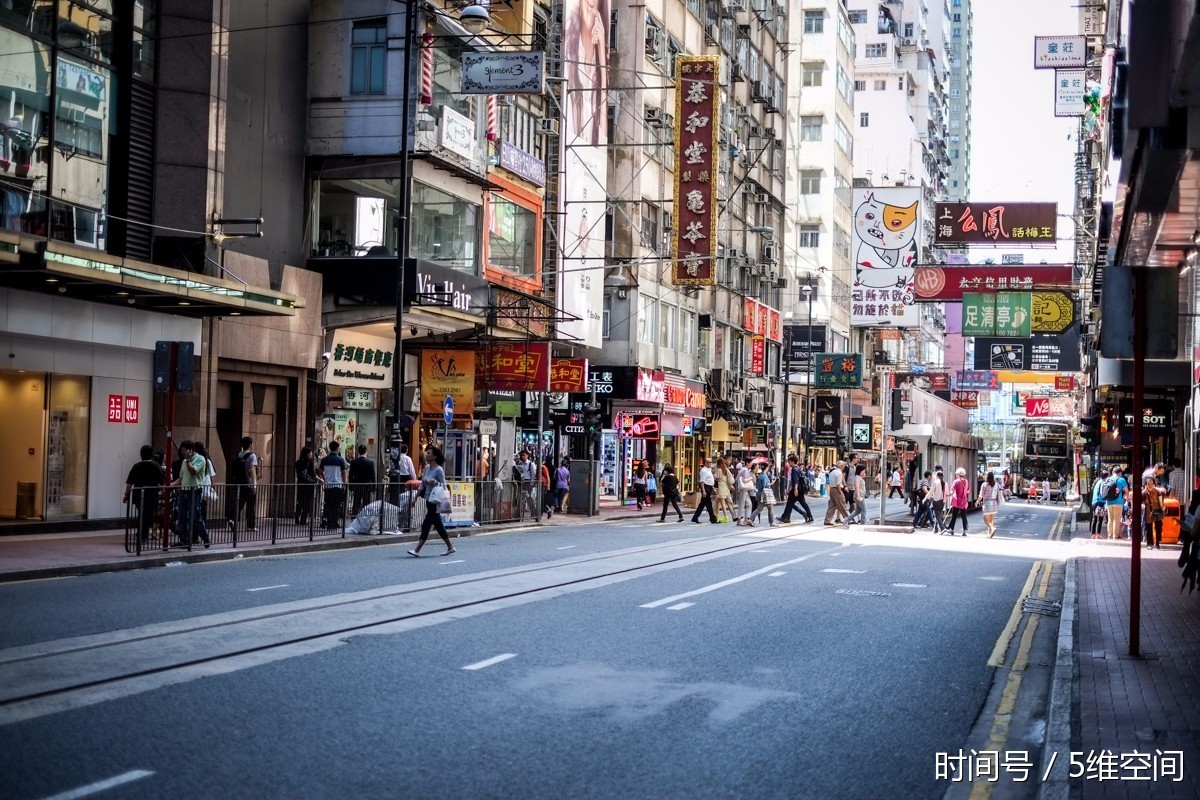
[(884, 226)]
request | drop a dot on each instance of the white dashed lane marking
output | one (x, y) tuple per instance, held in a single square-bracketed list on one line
[(776, 573), (680, 606), (846, 571), (264, 588), (103, 786), (490, 661)]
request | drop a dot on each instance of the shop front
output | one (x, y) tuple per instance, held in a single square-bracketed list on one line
[(684, 404), (826, 442)]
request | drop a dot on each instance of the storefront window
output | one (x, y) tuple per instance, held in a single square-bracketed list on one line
[(356, 217), (67, 446), (445, 229), (447, 78), (83, 120), (512, 237), (85, 27), (25, 89)]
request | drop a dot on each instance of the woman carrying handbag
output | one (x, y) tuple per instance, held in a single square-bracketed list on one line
[(437, 498)]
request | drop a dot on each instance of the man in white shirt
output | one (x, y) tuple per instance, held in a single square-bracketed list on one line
[(707, 488), (937, 498), (897, 484), (836, 481)]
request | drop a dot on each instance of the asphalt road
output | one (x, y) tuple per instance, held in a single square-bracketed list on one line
[(626, 660)]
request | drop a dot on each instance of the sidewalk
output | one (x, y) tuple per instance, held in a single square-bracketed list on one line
[(51, 555), (1125, 705)]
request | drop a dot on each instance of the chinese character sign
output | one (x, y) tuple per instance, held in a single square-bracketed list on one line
[(1069, 88), (569, 375), (980, 380), (979, 314), (1054, 52), (885, 241), (1013, 314), (116, 408), (995, 223), (758, 355), (514, 367), (838, 371), (697, 119), (965, 399), (947, 283)]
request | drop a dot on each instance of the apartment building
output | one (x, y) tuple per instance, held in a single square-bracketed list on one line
[(959, 54)]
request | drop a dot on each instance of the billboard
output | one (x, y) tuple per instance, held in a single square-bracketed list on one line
[(996, 223), (447, 373), (585, 169), (524, 366), (1055, 52), (887, 223), (697, 109), (803, 341), (1069, 88), (1040, 353), (949, 283)]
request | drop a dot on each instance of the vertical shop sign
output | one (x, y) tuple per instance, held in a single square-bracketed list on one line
[(697, 118), (758, 354)]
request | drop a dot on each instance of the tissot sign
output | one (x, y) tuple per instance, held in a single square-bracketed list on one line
[(1156, 417)]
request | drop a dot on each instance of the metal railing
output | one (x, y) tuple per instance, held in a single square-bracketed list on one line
[(160, 518)]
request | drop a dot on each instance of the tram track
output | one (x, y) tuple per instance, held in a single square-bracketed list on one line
[(58, 675)]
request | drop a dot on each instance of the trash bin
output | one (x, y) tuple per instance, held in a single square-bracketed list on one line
[(27, 500), (1171, 517)]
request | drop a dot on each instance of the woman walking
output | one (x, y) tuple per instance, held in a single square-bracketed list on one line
[(433, 489), (764, 480), (562, 484), (306, 485), (859, 482), (744, 502), (990, 495), (639, 484), (959, 492), (670, 492), (724, 480)]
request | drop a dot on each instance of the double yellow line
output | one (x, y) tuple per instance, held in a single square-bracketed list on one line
[(998, 736)]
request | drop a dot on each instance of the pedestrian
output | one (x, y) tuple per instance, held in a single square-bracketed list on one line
[(437, 497), (912, 477), (334, 471), (306, 485), (207, 492), (937, 499), (1177, 481), (989, 500), (405, 471), (797, 488), (1046, 489), (1098, 505), (724, 491), (547, 495), (243, 482), (1006, 485), (523, 477), (1114, 501), (638, 484), (744, 499), (764, 481), (1062, 488), (362, 480), (193, 468), (835, 482), (708, 490), (960, 495), (562, 483), (670, 492), (924, 517), (1152, 513), (859, 482), (143, 486), (896, 486)]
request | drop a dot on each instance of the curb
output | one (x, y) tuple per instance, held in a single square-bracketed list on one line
[(1058, 715)]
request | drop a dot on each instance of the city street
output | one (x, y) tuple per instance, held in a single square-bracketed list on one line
[(623, 659)]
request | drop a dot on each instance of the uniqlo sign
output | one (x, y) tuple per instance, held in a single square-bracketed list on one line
[(123, 408)]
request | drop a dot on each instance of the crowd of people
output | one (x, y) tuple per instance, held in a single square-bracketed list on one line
[(1112, 501)]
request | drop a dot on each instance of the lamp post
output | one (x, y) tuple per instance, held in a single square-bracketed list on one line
[(806, 417), (787, 385)]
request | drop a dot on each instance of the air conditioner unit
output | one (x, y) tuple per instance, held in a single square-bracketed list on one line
[(734, 256), (768, 253), (909, 41), (754, 402), (738, 399), (756, 90), (713, 34), (718, 380), (669, 120), (762, 198), (734, 6), (547, 126), (723, 167), (654, 116), (769, 133), (735, 74)]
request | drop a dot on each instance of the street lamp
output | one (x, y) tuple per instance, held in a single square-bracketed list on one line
[(806, 427), (474, 19)]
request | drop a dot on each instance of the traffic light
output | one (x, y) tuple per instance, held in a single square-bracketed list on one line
[(1089, 431), (591, 418)]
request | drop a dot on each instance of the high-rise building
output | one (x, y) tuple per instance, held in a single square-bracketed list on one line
[(961, 25)]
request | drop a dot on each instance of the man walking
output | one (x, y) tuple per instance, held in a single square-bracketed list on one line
[(523, 476), (797, 488), (896, 486), (334, 469), (143, 486), (836, 481), (362, 479), (243, 482), (937, 499), (707, 489)]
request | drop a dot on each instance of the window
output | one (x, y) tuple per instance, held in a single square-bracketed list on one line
[(445, 228), (666, 326), (860, 86), (810, 74), (651, 218), (958, 17), (810, 181), (957, 33), (844, 84), (810, 235), (687, 332), (908, 30), (881, 85), (841, 240), (954, 153), (900, 83), (654, 38), (864, 120), (954, 184), (647, 324), (512, 236), (368, 57), (814, 21), (858, 17), (841, 134), (810, 128), (879, 50)]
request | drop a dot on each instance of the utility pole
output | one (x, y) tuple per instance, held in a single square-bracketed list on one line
[(885, 394)]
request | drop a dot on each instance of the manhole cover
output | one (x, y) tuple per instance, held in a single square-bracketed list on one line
[(1037, 605), (863, 593)]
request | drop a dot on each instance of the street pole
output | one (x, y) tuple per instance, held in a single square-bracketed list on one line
[(787, 391), (1135, 481), (885, 394), (806, 417)]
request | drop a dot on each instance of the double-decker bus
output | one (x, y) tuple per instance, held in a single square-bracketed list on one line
[(1042, 448)]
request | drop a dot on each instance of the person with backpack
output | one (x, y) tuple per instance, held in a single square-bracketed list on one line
[(243, 483), (670, 492), (797, 488), (1098, 505), (1114, 501)]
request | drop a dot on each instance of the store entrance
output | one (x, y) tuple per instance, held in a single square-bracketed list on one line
[(22, 448)]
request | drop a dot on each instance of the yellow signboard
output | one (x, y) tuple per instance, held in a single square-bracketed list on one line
[(1053, 312), (448, 373)]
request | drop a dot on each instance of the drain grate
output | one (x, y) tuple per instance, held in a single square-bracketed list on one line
[(863, 593), (1037, 605)]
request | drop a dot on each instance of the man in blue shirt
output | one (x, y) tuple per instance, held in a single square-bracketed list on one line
[(1114, 501)]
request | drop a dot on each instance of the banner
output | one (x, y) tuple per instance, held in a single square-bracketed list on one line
[(1055, 52), (885, 241), (569, 375), (965, 399), (1069, 88), (803, 341), (982, 380), (583, 189), (448, 373), (758, 355), (359, 360), (996, 223), (928, 381), (462, 505), (839, 371), (697, 151), (997, 314), (514, 367), (948, 283)]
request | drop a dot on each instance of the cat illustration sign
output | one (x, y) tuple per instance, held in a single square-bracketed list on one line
[(886, 223)]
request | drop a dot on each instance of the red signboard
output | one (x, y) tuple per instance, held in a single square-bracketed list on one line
[(758, 355), (947, 283), (929, 381), (131, 408), (964, 399), (1037, 407), (116, 408), (514, 367), (638, 426), (996, 223), (697, 118), (1064, 383), (774, 329), (651, 385), (569, 375)]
